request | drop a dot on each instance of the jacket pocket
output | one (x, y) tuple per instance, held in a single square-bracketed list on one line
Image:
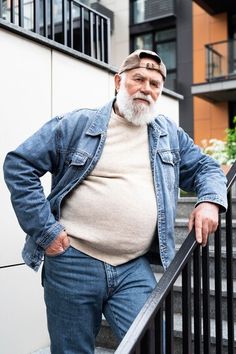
[(171, 157), (170, 167), (78, 158)]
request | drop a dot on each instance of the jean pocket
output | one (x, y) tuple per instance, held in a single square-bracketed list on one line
[(57, 254)]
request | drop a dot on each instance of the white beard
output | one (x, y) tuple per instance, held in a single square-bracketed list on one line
[(137, 113)]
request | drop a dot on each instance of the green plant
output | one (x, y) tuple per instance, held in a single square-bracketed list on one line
[(217, 149), (222, 151), (231, 142)]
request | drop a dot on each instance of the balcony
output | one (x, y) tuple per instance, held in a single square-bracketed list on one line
[(214, 7), (220, 82), (67, 22), (149, 10)]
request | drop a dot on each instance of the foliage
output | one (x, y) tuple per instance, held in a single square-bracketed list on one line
[(222, 151), (231, 142)]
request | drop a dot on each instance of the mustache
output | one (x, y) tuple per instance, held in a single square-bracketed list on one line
[(142, 96)]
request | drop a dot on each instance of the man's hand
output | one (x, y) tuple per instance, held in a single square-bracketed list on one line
[(59, 245), (204, 218)]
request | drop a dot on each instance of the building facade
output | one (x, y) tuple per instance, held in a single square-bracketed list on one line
[(196, 40)]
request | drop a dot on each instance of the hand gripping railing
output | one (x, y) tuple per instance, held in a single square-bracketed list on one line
[(145, 335)]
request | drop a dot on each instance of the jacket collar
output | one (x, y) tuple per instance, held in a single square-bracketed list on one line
[(100, 122), (103, 115)]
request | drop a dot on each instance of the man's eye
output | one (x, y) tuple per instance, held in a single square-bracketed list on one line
[(155, 84)]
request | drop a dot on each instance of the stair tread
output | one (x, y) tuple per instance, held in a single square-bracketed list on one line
[(211, 249), (98, 350), (184, 222), (178, 326)]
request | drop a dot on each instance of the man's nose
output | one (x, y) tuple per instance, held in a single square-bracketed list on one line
[(146, 88)]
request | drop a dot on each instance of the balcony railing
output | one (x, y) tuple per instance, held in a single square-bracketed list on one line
[(221, 60), (64, 21), (192, 264)]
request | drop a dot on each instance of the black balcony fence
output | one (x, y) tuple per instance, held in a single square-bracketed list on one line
[(221, 60), (65, 21), (154, 328)]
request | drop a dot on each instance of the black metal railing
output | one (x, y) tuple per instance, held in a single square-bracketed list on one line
[(145, 335), (65, 21), (221, 60)]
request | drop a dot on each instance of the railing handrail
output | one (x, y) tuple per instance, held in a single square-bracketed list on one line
[(209, 45), (166, 282)]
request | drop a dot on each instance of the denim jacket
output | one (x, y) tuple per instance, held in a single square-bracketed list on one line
[(69, 148)]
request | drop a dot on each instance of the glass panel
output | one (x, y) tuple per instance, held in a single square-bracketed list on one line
[(170, 82), (167, 51), (143, 42), (6, 7), (27, 12), (138, 11), (165, 35)]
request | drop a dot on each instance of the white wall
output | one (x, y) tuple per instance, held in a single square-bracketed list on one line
[(36, 83), (120, 35)]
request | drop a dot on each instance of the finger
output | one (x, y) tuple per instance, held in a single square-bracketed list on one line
[(198, 229), (198, 234), (190, 222), (65, 242), (205, 233)]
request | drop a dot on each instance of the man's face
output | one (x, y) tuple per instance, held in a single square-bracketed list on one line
[(138, 92), (146, 81)]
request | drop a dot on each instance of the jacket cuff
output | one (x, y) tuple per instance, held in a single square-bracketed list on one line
[(50, 235), (215, 200)]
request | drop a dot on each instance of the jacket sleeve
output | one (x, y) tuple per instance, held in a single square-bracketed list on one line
[(22, 171), (201, 174)]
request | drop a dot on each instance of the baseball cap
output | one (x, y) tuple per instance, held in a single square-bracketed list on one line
[(133, 61)]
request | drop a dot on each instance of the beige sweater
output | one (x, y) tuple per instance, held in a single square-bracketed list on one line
[(112, 214)]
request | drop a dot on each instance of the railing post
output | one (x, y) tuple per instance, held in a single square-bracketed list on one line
[(108, 36), (169, 333), (159, 331), (64, 21), (186, 308), (197, 301), (13, 4), (21, 12), (206, 300), (45, 17), (36, 16), (82, 28), (218, 289), (52, 20), (229, 266)]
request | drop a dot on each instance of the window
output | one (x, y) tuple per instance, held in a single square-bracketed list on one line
[(143, 42), (164, 43), (138, 11)]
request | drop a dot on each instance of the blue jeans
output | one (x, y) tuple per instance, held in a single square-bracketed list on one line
[(79, 288)]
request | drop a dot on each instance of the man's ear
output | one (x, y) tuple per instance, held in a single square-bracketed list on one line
[(117, 80)]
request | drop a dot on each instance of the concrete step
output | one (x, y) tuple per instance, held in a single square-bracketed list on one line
[(98, 350), (178, 335), (186, 205), (181, 231), (213, 349)]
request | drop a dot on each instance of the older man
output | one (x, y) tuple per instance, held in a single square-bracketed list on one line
[(116, 173)]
